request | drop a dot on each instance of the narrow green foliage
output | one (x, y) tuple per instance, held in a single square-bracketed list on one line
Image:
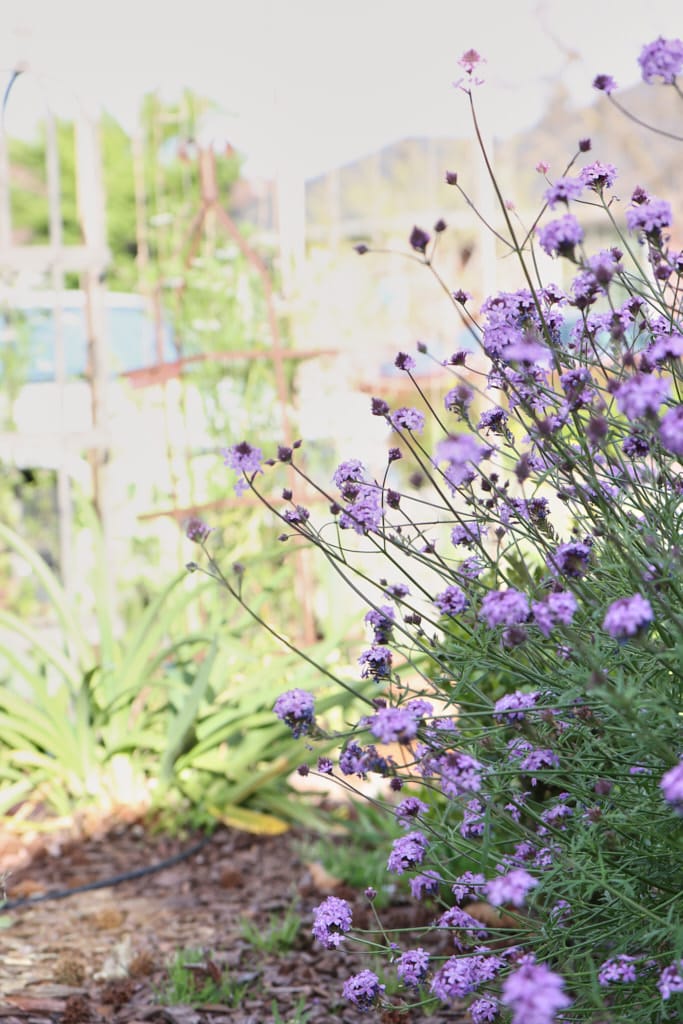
[(278, 936), (194, 979)]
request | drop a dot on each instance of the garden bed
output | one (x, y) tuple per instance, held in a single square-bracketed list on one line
[(103, 954)]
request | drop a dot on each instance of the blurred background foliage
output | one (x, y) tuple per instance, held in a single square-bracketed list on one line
[(144, 685)]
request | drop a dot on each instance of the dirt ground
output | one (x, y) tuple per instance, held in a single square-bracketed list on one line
[(102, 955)]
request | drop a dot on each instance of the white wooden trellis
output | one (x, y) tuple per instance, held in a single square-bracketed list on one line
[(52, 262)]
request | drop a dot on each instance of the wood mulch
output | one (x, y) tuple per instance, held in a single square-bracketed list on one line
[(101, 956)]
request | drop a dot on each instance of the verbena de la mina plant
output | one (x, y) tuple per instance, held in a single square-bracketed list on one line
[(525, 624)]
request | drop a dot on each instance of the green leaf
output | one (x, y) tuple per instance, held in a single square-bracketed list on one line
[(73, 634), (182, 724)]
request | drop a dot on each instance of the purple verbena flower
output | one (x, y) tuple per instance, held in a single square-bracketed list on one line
[(459, 976), (466, 885), (407, 852), (512, 706), (347, 476), (663, 59), (649, 217), (460, 451), (578, 386), (296, 516), (671, 430), (467, 533), (243, 458), (483, 1010), (404, 362), (635, 446), (559, 237), (671, 980), (408, 809), (598, 176), (366, 513), (672, 786), (472, 824), (408, 419), (412, 967), (559, 607), (562, 191), (539, 758), (504, 607), (393, 725), (511, 888), (375, 662), (332, 921), (197, 530), (470, 569), (396, 591), (456, 772), (459, 398), (493, 420), (534, 993), (627, 616), (570, 559), (617, 969), (425, 884), (363, 990), (667, 346), (296, 709), (641, 395), (451, 601), (382, 622)]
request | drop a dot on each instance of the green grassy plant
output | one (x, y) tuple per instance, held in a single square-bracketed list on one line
[(195, 980), (301, 1014), (157, 715), (279, 935)]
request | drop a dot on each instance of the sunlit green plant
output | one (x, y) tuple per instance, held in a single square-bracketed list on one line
[(194, 979), (278, 936), (158, 715)]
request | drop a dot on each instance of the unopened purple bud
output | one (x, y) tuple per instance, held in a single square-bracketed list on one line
[(451, 178), (284, 453), (604, 83), (395, 454), (421, 347), (379, 407), (287, 494), (458, 358), (584, 145), (440, 225), (419, 239), (597, 429), (361, 249)]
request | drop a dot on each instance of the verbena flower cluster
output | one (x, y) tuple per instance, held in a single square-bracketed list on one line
[(525, 659)]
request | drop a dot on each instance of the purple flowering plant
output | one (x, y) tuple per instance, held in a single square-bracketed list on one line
[(526, 609)]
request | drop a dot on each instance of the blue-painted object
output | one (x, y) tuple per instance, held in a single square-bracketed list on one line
[(130, 334)]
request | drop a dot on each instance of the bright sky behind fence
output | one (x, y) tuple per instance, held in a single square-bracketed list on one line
[(316, 82)]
